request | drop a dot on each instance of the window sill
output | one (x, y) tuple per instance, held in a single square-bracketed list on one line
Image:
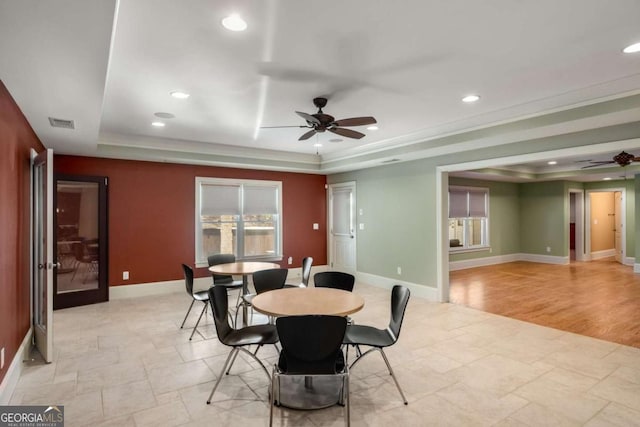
[(465, 250)]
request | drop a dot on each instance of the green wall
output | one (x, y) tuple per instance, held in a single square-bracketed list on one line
[(504, 221), (398, 206)]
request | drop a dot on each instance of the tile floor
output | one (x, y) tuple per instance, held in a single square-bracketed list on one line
[(127, 363)]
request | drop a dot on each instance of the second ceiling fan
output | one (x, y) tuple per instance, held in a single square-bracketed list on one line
[(320, 122)]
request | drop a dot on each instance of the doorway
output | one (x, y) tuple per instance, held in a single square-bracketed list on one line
[(605, 224), (576, 225), (342, 233), (80, 233)]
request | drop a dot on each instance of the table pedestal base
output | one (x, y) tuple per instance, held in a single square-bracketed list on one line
[(309, 392)]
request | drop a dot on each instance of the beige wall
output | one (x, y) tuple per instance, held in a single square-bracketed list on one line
[(602, 221)]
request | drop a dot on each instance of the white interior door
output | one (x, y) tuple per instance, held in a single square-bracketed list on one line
[(618, 225), (342, 219), (42, 260)]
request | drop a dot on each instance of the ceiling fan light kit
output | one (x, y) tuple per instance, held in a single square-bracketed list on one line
[(321, 122)]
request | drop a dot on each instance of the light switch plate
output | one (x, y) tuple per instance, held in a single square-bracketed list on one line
[(125, 275), (361, 226), (316, 226)]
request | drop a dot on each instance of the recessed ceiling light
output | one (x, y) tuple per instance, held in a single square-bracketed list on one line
[(470, 98), (606, 179), (552, 162), (632, 48), (158, 124), (372, 128), (317, 145), (178, 94), (164, 115), (234, 23)]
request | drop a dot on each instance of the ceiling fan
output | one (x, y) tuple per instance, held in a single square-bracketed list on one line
[(622, 159), (320, 122)]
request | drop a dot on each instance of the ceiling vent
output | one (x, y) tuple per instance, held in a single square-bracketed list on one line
[(62, 123)]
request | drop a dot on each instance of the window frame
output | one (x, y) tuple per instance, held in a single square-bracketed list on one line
[(486, 244), (201, 258)]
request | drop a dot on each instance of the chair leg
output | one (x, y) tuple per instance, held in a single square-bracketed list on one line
[(232, 362), (264, 368), (224, 368), (187, 315), (198, 322), (404, 399)]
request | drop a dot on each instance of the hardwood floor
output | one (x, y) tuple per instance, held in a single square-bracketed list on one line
[(600, 299)]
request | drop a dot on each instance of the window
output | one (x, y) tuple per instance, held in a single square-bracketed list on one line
[(242, 217), (468, 218)]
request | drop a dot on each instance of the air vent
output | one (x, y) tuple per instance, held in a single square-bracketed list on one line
[(62, 123), (391, 161)]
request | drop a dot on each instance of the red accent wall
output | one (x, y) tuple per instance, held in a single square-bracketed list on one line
[(152, 214), (16, 140)]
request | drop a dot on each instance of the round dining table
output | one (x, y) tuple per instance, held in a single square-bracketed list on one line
[(244, 269), (308, 392)]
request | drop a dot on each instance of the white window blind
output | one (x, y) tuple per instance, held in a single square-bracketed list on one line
[(218, 200), (260, 200), (457, 203), (477, 204)]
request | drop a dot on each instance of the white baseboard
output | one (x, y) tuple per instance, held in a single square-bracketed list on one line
[(175, 286), (545, 259), (629, 260), (156, 288), (12, 376), (603, 254), (636, 268), (427, 292), (480, 262)]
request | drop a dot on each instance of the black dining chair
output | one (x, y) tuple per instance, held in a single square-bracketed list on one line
[(266, 280), (311, 346), (334, 279), (307, 263), (378, 339), (201, 296), (224, 279), (237, 339)]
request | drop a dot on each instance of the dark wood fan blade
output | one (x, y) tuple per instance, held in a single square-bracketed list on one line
[(355, 121), (597, 164), (347, 132), (636, 159), (278, 127), (307, 135), (308, 117)]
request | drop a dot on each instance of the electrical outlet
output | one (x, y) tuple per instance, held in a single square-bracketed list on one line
[(316, 226), (548, 249), (361, 226), (399, 271), (125, 275), (290, 260)]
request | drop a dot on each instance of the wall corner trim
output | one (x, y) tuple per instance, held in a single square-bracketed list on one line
[(15, 369), (423, 291)]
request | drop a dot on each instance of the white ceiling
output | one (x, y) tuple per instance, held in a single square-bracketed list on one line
[(110, 65)]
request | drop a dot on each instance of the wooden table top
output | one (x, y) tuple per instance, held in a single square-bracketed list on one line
[(242, 267), (301, 301)]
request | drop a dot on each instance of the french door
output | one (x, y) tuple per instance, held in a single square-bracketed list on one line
[(42, 259), (80, 234)]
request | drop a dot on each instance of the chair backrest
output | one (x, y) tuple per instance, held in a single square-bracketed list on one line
[(268, 280), (334, 279), (310, 344), (220, 309), (307, 262), (221, 259), (399, 300), (188, 278)]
